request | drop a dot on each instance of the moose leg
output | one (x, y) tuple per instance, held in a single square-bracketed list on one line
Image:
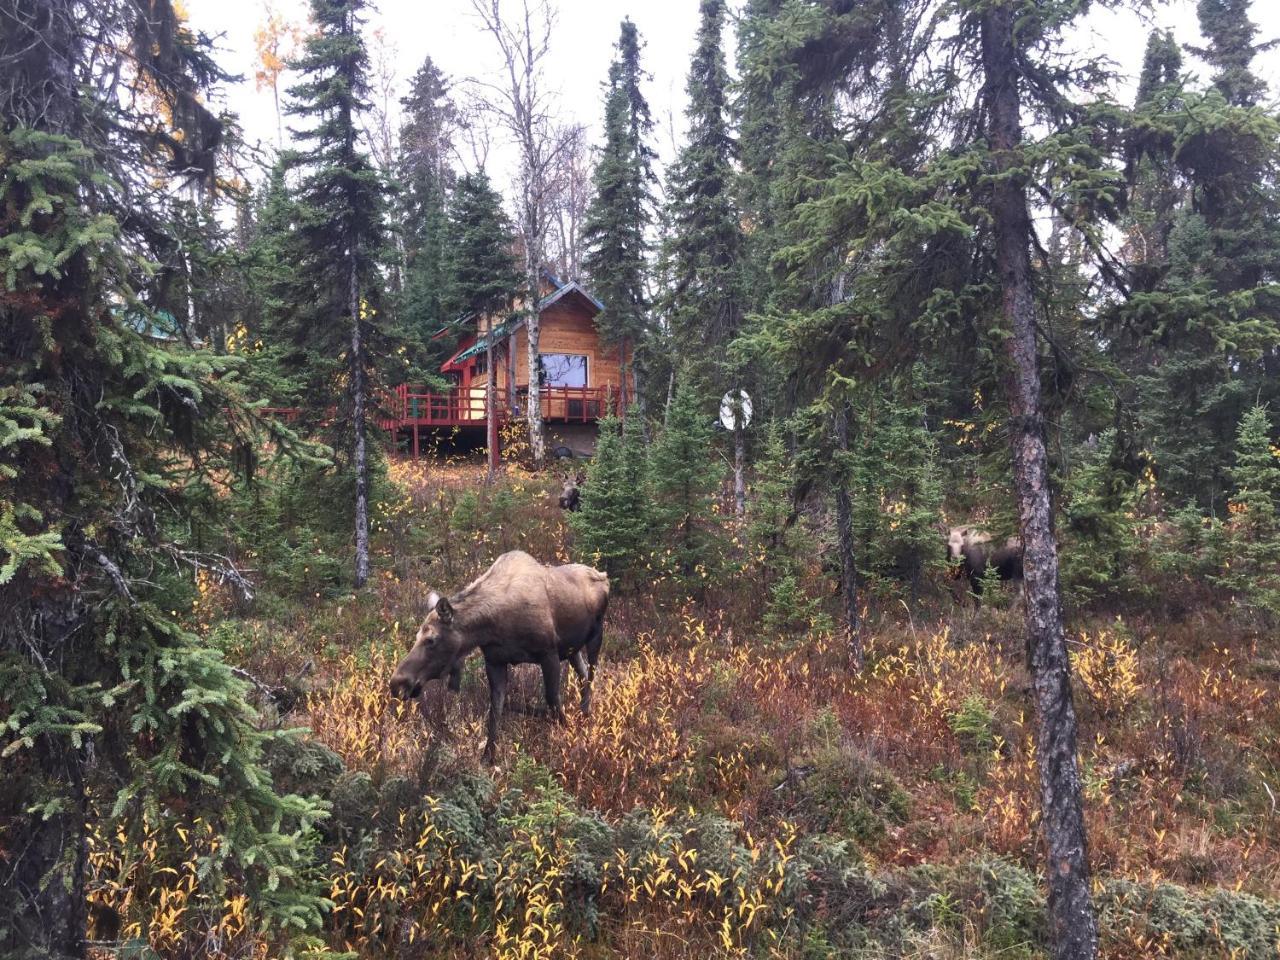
[(455, 677), (579, 663), (592, 649), (975, 584), (499, 674), (551, 680)]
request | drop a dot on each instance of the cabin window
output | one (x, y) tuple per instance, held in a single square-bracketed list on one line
[(482, 364), (563, 369)]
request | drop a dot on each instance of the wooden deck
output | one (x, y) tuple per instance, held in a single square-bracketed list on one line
[(465, 406), (408, 412)]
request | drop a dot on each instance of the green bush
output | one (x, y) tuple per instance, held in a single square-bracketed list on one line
[(1194, 924), (974, 724)]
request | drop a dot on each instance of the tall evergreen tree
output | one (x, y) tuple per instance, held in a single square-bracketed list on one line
[(426, 178), (1156, 190), (1231, 50), (618, 216), (704, 242), (334, 327), (1201, 259), (113, 445), (484, 277), (889, 256), (483, 274)]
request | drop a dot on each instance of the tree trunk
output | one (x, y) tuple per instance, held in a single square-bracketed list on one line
[(1074, 926), (360, 454), (491, 411), (532, 324), (49, 866), (622, 369), (275, 93), (739, 466), (510, 360), (844, 536)]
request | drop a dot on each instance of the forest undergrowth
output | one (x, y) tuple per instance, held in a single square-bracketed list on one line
[(736, 791)]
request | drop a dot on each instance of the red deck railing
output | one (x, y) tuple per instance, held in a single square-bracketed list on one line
[(410, 406)]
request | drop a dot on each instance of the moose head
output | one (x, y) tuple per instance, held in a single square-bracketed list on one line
[(439, 646)]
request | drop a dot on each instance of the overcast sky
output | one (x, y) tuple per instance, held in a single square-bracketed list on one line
[(449, 32)]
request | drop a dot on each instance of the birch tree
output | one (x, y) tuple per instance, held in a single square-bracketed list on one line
[(520, 100)]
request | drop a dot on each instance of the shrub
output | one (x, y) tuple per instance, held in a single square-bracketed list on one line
[(1168, 920), (843, 791), (974, 724), (1107, 668)]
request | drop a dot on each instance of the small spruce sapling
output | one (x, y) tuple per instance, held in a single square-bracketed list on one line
[(685, 473), (612, 523), (1252, 566)]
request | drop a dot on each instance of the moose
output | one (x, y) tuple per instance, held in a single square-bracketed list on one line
[(571, 494), (974, 551), (518, 611)]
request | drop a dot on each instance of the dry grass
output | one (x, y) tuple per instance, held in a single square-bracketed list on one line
[(1179, 748)]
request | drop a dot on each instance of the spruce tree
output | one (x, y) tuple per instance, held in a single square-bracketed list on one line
[(612, 525), (897, 484), (782, 548), (1231, 50), (484, 276), (916, 241), (426, 178), (336, 327), (1099, 499), (684, 476), (1156, 190), (618, 216), (113, 446), (704, 242), (1253, 567), (1201, 259)]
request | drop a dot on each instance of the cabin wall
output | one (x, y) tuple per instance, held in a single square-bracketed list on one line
[(566, 329)]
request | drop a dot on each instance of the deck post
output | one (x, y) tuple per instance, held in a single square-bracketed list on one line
[(414, 428)]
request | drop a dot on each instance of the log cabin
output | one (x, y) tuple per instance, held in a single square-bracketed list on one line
[(580, 375)]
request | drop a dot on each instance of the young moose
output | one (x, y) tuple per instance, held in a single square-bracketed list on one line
[(974, 551), (518, 611)]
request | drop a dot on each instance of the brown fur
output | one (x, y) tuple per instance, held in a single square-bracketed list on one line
[(518, 611), (571, 494), (973, 551)]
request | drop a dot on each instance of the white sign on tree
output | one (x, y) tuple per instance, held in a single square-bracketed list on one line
[(729, 410)]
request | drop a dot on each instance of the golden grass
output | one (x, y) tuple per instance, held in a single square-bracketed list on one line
[(687, 716)]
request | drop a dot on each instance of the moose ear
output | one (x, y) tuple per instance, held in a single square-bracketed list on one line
[(433, 599), (444, 610)]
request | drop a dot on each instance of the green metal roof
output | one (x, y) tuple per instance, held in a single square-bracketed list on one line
[(497, 333)]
